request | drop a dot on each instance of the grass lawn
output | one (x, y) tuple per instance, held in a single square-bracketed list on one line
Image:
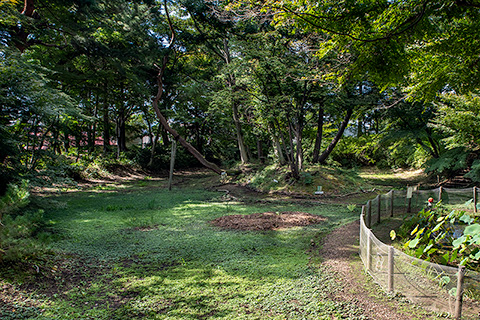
[(142, 252)]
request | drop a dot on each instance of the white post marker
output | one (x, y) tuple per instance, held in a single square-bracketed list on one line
[(409, 192)]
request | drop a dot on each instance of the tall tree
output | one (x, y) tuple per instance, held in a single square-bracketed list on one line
[(219, 37)]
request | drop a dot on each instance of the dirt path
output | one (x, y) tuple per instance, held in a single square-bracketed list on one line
[(340, 252)]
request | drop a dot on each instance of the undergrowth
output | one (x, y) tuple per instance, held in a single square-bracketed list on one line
[(22, 240), (333, 180)]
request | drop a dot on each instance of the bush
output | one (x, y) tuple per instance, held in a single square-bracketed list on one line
[(443, 236), (20, 236), (474, 173), (21, 239), (16, 197), (448, 163)]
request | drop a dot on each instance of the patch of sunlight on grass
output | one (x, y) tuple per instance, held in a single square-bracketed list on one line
[(165, 261)]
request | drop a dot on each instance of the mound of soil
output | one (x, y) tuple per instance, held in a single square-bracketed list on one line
[(267, 220)]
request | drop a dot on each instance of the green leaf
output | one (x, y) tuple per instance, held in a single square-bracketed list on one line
[(458, 242), (477, 255), (419, 252), (475, 240), (414, 230), (466, 218), (454, 255), (464, 261), (393, 235), (420, 232), (427, 248), (453, 292), (440, 236), (451, 214), (472, 230), (444, 280), (438, 226), (413, 243), (445, 258)]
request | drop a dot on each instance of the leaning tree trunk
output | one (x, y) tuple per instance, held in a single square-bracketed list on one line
[(179, 138), (337, 137), (160, 116)]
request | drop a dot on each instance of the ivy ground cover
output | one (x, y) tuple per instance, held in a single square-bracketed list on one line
[(142, 252)]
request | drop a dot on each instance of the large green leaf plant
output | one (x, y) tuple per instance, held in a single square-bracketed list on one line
[(445, 237)]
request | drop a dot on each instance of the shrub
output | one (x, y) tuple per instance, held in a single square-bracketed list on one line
[(20, 236), (448, 163), (17, 196), (444, 237), (21, 239)]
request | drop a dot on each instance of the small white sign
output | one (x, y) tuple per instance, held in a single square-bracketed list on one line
[(409, 192), (319, 190)]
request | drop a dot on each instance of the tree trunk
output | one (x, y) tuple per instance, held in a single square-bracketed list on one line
[(318, 138), (337, 137), (93, 127), (299, 147), (153, 145), (160, 116), (106, 126), (293, 159), (182, 141), (435, 153), (260, 155), (277, 150), (277, 147), (173, 132), (359, 128), (121, 135), (236, 116), (238, 129)]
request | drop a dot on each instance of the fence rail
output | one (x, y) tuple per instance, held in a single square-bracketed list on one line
[(438, 287)]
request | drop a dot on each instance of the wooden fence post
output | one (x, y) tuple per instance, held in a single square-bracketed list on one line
[(369, 250), (391, 254), (418, 193), (379, 208), (409, 198), (475, 199), (459, 297), (369, 214), (391, 202)]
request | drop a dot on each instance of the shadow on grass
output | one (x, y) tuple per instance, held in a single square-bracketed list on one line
[(153, 254)]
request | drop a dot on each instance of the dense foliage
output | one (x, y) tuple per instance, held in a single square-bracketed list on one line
[(21, 237), (237, 81), (443, 236)]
